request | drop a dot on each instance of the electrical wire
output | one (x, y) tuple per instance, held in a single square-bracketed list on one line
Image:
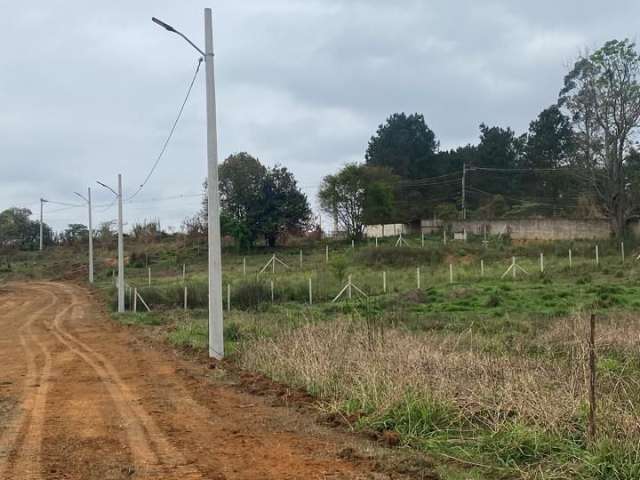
[(168, 139)]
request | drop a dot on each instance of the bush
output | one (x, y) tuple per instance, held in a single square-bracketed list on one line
[(250, 295)]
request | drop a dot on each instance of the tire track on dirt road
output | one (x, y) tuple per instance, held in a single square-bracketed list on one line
[(152, 453), (21, 441)]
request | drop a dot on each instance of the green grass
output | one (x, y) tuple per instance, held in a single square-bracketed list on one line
[(501, 318)]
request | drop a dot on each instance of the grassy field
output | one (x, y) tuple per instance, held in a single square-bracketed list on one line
[(487, 374)]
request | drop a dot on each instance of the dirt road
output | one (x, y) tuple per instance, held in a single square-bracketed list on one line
[(82, 399)]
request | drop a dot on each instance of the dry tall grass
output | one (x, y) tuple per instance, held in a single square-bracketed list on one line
[(542, 386)]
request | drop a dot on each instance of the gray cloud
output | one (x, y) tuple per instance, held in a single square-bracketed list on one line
[(90, 89)]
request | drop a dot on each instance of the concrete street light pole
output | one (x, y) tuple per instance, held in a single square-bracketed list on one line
[(216, 340), (88, 200), (120, 285), (42, 202), (120, 250)]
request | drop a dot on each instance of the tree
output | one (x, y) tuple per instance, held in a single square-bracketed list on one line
[(358, 195), (284, 208), (406, 145), (75, 233), (18, 230), (602, 94), (550, 142), (256, 201)]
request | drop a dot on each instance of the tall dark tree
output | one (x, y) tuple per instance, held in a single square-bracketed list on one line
[(550, 142), (406, 145), (258, 202), (550, 146), (283, 207)]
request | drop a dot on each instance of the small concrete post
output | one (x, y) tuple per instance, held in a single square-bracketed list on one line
[(570, 259), (418, 277), (541, 262), (444, 235), (481, 268), (353, 244), (384, 282), (450, 273), (244, 266), (272, 292), (597, 256), (622, 251), (135, 300), (185, 298), (273, 264), (349, 290), (422, 240), (310, 292), (376, 242), (513, 267)]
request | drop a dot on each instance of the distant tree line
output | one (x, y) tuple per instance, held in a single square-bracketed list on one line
[(578, 158)]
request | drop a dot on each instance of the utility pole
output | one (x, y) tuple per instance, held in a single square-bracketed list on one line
[(216, 340), (120, 282), (88, 200), (90, 237), (464, 175), (120, 250), (42, 202)]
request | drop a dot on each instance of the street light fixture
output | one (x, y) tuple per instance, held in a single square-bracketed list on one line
[(216, 340), (88, 200), (120, 285)]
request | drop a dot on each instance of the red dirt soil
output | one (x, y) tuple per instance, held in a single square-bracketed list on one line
[(80, 398)]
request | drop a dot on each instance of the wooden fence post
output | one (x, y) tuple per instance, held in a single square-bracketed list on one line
[(592, 378)]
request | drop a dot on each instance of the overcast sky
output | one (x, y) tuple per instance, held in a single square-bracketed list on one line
[(90, 89)]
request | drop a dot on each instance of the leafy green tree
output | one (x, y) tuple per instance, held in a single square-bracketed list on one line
[(406, 145), (75, 233), (499, 149), (283, 207), (18, 230), (550, 142), (602, 94), (358, 195), (257, 201)]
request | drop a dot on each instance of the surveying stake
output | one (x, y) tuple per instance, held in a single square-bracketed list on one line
[(401, 241), (272, 261), (513, 268), (348, 288)]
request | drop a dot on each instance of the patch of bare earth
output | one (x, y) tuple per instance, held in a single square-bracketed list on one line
[(88, 400)]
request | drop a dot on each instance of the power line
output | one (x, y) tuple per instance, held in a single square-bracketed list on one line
[(168, 139)]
